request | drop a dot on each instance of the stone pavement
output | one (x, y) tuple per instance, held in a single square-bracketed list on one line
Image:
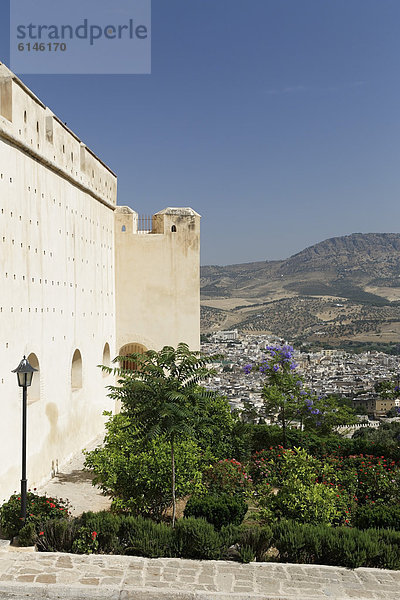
[(38, 575), (75, 484)]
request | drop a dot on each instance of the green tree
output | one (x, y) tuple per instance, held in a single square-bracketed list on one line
[(283, 393), (325, 413), (393, 412), (136, 472), (161, 398), (386, 389)]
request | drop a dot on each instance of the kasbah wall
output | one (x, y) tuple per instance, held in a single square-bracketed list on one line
[(79, 284)]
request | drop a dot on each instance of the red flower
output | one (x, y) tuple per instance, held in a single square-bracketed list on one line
[(94, 534), (41, 532)]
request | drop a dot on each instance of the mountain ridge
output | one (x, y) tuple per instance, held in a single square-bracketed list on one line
[(361, 270)]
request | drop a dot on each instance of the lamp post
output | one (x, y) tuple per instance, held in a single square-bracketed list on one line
[(24, 373)]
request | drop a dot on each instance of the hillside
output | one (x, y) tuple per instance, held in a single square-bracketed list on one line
[(342, 289)]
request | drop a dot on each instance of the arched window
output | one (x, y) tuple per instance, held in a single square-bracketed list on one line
[(123, 228), (131, 349), (106, 358), (76, 371), (34, 390), (24, 116), (173, 228)]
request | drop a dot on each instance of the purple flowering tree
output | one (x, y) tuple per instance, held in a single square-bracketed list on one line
[(325, 413), (284, 394)]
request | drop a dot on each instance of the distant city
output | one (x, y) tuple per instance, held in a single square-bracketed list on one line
[(328, 372)]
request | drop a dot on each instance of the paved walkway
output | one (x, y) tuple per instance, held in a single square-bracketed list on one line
[(39, 575), (75, 484)]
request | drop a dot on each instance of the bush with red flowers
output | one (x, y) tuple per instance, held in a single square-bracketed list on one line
[(228, 477), (370, 479), (38, 510)]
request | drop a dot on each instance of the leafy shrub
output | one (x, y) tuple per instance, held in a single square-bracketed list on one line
[(377, 516), (258, 539), (338, 546), (197, 539), (246, 554), (57, 535), (314, 503), (228, 477), (218, 510), (38, 510), (106, 526), (228, 535), (27, 535), (143, 537), (290, 541), (368, 478), (85, 541), (275, 465), (349, 547), (139, 477)]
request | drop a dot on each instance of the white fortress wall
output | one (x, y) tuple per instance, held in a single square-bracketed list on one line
[(57, 284)]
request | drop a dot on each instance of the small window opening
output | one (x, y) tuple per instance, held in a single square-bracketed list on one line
[(173, 228)]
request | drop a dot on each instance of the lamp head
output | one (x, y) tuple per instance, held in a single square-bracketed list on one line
[(24, 373)]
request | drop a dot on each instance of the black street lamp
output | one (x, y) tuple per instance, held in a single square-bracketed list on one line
[(24, 373)]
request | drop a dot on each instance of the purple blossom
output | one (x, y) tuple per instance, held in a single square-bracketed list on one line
[(247, 369), (315, 411), (276, 368), (264, 366)]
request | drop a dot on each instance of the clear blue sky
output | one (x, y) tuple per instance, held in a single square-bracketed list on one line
[(277, 120)]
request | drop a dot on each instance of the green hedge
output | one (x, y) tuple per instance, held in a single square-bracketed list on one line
[(193, 538), (383, 517), (337, 546), (107, 533), (218, 510)]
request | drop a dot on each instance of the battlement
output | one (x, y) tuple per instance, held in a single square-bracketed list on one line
[(28, 124), (166, 221)]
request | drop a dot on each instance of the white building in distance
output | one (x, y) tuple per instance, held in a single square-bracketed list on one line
[(80, 283), (226, 336)]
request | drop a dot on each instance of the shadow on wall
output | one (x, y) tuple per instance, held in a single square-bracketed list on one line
[(52, 415)]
